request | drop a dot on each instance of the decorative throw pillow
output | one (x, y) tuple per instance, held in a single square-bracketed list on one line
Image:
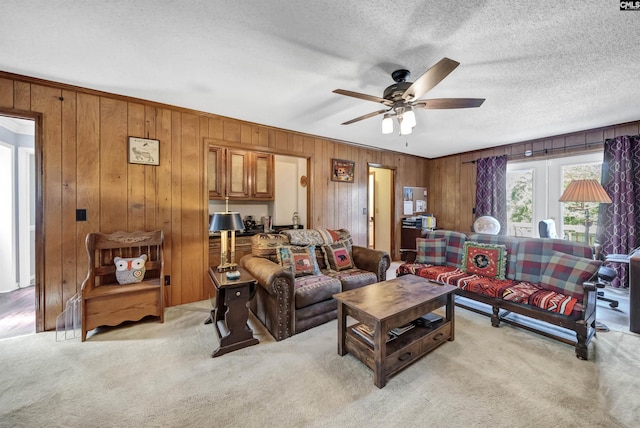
[(266, 245), (488, 260), (130, 270), (431, 251), (565, 274), (300, 260), (337, 256)]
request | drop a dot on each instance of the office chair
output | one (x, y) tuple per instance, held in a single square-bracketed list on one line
[(605, 276), (547, 229)]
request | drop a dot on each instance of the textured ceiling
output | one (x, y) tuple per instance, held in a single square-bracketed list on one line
[(545, 67)]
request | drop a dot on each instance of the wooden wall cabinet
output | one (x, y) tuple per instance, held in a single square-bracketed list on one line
[(215, 177), (240, 174), (263, 180), (237, 174)]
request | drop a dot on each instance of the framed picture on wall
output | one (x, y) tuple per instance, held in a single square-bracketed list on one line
[(342, 170), (144, 151)]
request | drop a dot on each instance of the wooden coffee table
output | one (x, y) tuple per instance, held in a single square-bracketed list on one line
[(386, 305)]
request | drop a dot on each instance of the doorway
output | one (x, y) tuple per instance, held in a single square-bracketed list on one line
[(381, 207), (18, 223)]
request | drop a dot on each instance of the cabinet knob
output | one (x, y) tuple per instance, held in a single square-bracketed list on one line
[(238, 293)]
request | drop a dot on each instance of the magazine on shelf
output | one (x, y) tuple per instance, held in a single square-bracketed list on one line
[(402, 329), (366, 333)]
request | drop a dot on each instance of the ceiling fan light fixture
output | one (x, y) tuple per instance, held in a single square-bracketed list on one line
[(387, 124), (410, 117), (405, 126), (400, 97)]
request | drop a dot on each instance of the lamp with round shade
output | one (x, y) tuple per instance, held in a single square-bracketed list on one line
[(227, 223), (585, 191)]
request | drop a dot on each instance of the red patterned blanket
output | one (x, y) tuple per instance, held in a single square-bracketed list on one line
[(507, 289)]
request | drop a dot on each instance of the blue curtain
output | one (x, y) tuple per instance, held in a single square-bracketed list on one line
[(491, 189)]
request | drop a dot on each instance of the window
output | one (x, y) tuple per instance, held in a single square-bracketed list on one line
[(533, 190), (574, 213), (520, 202)]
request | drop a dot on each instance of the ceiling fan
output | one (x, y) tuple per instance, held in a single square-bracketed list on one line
[(403, 96)]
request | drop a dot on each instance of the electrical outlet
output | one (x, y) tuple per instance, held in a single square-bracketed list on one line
[(81, 215), (167, 280)]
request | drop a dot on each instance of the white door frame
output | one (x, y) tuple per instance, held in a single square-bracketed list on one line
[(7, 218), (26, 218)]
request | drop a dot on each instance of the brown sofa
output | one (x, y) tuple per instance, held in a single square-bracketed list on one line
[(293, 299)]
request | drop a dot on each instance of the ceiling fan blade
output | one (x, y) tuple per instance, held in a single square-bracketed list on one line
[(363, 96), (446, 103), (366, 116), (430, 78)]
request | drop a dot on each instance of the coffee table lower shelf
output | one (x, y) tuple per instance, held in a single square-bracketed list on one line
[(401, 351)]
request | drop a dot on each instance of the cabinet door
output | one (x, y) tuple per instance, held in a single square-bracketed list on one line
[(237, 174), (262, 177), (215, 173)]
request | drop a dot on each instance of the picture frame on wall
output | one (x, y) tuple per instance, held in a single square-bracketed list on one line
[(342, 170), (144, 151)]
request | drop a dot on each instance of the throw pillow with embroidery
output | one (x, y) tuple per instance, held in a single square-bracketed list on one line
[(488, 260), (300, 260), (337, 256)]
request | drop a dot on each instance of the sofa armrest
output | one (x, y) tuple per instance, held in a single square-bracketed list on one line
[(269, 275), (591, 286), (375, 261), (589, 300), (274, 303)]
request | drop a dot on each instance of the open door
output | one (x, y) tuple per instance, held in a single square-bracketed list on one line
[(381, 208)]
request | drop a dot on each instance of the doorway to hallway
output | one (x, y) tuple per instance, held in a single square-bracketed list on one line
[(381, 207), (17, 224)]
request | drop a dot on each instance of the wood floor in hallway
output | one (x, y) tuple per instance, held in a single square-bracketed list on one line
[(18, 312)]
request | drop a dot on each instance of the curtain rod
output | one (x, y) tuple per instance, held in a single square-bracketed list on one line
[(546, 151)]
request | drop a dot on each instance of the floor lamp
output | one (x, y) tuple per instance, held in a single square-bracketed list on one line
[(585, 191)]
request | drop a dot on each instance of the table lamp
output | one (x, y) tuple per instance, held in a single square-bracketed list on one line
[(227, 223), (585, 191)]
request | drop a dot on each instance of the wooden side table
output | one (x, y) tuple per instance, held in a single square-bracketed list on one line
[(231, 310)]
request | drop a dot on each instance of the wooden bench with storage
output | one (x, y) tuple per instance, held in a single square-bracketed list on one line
[(125, 278)]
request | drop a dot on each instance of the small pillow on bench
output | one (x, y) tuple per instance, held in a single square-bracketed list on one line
[(488, 260), (431, 251), (565, 274), (130, 270)]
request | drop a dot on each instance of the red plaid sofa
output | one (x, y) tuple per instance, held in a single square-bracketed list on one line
[(546, 279)]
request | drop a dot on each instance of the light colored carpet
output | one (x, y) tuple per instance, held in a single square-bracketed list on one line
[(149, 374)]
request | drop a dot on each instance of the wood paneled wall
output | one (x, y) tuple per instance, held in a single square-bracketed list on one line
[(82, 136), (452, 179)]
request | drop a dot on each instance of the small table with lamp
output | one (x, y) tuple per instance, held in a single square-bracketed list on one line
[(231, 312), (234, 288)]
